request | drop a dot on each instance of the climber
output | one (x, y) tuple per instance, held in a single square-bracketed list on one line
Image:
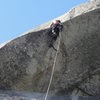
[(55, 28)]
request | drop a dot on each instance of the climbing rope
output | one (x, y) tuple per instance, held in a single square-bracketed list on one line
[(52, 73)]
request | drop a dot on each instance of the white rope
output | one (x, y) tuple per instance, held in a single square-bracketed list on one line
[(53, 68)]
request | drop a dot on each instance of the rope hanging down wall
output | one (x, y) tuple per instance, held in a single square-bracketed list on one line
[(52, 73)]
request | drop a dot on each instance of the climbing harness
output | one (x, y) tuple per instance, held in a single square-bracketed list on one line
[(52, 73)]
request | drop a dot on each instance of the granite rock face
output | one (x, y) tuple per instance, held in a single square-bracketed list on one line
[(26, 62)]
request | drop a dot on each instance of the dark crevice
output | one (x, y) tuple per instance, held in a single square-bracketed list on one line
[(84, 91)]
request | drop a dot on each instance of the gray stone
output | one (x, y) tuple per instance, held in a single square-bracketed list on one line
[(26, 62)]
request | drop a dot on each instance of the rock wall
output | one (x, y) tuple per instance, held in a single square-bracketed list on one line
[(26, 62)]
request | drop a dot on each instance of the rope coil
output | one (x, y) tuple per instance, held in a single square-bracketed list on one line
[(52, 73)]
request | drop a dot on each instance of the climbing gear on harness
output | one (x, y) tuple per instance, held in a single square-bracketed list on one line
[(52, 73)]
